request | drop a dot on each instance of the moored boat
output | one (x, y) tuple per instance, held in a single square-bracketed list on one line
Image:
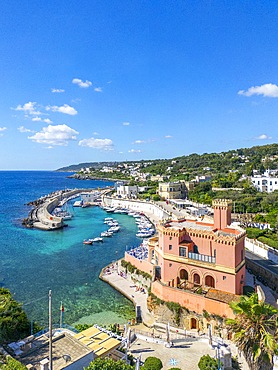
[(88, 241)]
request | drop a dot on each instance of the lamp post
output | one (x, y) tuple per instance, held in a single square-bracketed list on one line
[(50, 330)]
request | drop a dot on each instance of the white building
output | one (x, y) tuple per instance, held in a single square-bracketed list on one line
[(126, 191), (265, 182)]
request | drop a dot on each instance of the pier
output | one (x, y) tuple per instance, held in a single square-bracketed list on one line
[(41, 216)]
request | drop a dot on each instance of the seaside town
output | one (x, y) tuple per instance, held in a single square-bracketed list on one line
[(203, 291), (139, 185)]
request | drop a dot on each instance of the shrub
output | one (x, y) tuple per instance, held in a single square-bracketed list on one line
[(207, 363), (153, 363)]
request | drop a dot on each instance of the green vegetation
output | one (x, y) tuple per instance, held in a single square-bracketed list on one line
[(152, 363), (269, 237), (10, 363), (176, 309), (14, 323), (81, 327), (255, 329), (207, 363), (108, 364)]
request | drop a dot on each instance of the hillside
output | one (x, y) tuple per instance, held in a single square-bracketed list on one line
[(243, 160)]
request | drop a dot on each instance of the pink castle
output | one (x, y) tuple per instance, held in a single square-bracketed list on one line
[(199, 265)]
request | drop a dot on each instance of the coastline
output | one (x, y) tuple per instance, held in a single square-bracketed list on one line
[(127, 288)]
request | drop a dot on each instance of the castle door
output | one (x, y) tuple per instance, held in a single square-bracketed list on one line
[(193, 323)]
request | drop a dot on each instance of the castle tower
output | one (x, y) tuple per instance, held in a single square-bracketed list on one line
[(222, 213)]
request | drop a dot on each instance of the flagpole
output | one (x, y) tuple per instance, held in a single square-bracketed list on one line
[(62, 310)]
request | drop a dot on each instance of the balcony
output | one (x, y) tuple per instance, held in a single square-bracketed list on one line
[(201, 257)]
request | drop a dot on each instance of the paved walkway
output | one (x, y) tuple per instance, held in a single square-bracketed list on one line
[(128, 289)]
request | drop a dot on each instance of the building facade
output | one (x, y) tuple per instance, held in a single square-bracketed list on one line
[(172, 190), (266, 182)]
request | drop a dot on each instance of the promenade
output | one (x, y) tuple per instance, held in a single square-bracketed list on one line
[(128, 289)]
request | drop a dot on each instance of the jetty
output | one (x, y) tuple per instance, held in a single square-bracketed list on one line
[(41, 216)]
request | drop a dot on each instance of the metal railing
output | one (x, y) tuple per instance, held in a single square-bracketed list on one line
[(201, 257)]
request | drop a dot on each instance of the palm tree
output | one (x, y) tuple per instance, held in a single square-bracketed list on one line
[(255, 329)]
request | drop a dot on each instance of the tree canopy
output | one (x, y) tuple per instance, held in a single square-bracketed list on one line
[(14, 323), (108, 364), (255, 329)]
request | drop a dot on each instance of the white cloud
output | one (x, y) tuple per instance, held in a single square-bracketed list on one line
[(168, 136), (139, 142), (135, 151), (82, 84), (29, 108), (267, 90), (66, 109), (126, 123), (3, 129), (55, 135), (24, 129), (263, 137), (39, 119), (98, 89), (57, 90), (104, 144), (47, 120)]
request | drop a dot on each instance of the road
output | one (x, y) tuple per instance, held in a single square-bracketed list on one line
[(271, 266)]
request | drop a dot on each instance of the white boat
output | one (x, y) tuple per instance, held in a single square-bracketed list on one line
[(98, 239), (106, 233), (114, 229), (77, 203), (112, 223), (108, 219), (144, 234)]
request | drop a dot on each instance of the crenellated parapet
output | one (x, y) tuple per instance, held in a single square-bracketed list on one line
[(221, 203)]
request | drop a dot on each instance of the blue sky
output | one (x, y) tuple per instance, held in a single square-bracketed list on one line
[(91, 80)]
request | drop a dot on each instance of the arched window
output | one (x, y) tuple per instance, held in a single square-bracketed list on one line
[(183, 274), (209, 281), (196, 279)]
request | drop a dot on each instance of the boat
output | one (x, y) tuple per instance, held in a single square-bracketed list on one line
[(98, 239), (112, 223), (106, 233), (88, 241), (144, 234), (108, 219), (78, 203), (114, 229)]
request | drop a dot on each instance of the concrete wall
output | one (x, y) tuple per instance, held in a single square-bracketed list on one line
[(261, 249), (149, 208)]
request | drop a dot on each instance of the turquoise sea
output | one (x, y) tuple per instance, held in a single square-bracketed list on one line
[(34, 261)]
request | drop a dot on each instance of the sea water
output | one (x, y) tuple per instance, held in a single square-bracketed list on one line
[(33, 261)]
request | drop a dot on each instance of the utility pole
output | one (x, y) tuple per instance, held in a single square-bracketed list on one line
[(50, 330)]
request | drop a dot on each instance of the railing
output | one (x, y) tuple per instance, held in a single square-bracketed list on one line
[(201, 257)]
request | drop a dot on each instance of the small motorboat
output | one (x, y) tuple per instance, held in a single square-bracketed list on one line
[(88, 241), (106, 233), (98, 239)]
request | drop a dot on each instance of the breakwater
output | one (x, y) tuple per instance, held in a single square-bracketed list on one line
[(41, 216)]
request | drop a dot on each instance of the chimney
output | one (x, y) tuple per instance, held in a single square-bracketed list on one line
[(222, 213), (44, 364)]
